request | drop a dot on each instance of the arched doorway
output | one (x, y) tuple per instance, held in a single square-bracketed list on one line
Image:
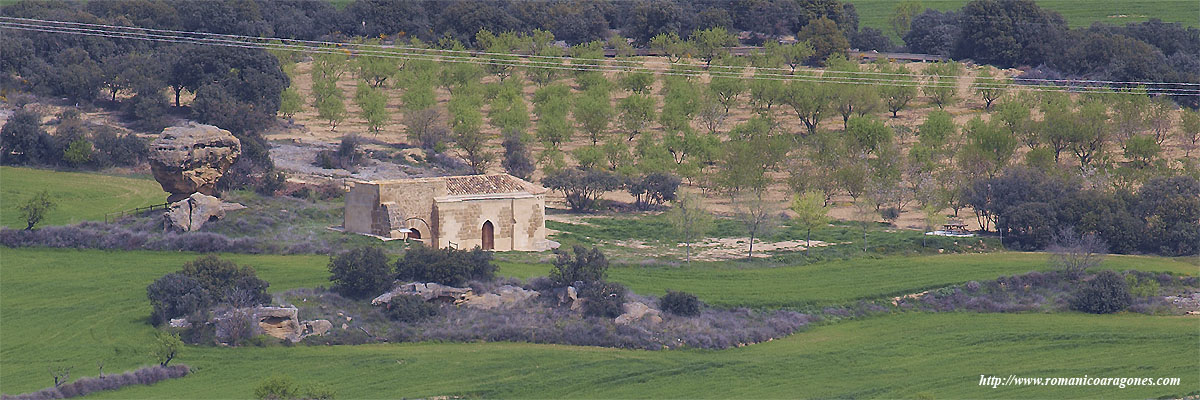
[(415, 234), (489, 238)]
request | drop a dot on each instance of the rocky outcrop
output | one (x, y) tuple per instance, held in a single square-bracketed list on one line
[(278, 322), (428, 291), (637, 310), (505, 296), (191, 158), (192, 212), (315, 327), (568, 296), (1188, 303)]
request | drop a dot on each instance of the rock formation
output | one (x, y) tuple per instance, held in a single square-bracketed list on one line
[(278, 322), (505, 296), (636, 311), (428, 291), (190, 159), (193, 211), (568, 296)]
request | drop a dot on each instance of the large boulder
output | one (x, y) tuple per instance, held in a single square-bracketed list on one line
[(428, 291), (568, 296), (279, 322), (193, 211), (315, 327), (191, 158), (637, 310)]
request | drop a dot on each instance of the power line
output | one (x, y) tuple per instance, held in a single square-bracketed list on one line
[(573, 67), (564, 58)]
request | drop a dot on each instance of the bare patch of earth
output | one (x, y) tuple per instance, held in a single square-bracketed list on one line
[(297, 157), (720, 249)]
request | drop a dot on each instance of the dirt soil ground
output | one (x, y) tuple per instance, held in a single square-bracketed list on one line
[(720, 249)]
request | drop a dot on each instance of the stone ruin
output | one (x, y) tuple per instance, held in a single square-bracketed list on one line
[(188, 161)]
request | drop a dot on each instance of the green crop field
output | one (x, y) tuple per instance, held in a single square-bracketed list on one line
[(875, 13), (74, 308), (838, 281), (80, 196)]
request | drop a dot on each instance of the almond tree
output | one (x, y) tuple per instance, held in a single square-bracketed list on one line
[(811, 212), (372, 104), (989, 87), (810, 100), (593, 112), (1189, 130), (690, 221), (850, 98), (900, 91), (942, 87), (711, 43), (636, 113)]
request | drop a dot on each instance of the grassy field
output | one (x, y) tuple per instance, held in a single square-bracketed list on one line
[(875, 13), (838, 281), (80, 196), (899, 356), (74, 308)]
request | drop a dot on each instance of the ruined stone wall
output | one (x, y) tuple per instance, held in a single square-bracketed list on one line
[(361, 203), (414, 200)]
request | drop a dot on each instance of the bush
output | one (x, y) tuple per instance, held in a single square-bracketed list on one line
[(1141, 287), (202, 283), (1106, 293), (360, 273), (680, 303), (174, 295), (96, 235), (653, 189), (347, 156), (23, 141), (445, 266), (235, 328), (603, 299), (582, 187), (517, 161), (148, 110), (240, 287), (410, 308), (87, 385), (890, 214), (1075, 254), (270, 183), (118, 150), (580, 265), (283, 387), (276, 387)]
